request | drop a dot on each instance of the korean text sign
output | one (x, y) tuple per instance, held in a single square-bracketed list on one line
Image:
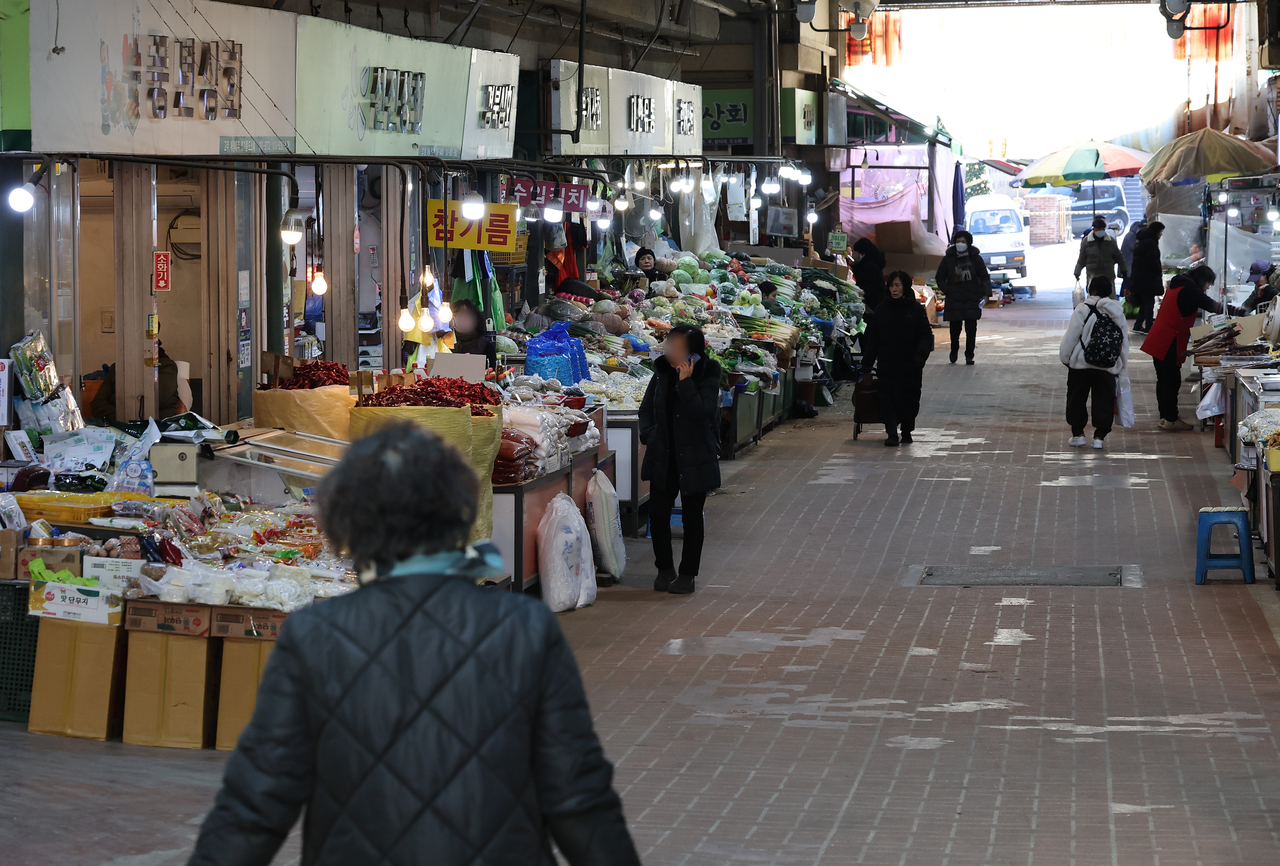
[(537, 193), (495, 231)]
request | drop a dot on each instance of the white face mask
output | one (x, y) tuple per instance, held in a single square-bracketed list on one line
[(961, 246), (1100, 235)]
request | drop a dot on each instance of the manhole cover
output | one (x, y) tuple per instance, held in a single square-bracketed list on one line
[(1023, 575)]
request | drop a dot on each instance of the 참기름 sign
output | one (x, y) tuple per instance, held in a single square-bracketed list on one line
[(494, 232)]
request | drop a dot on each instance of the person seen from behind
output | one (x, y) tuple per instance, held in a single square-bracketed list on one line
[(679, 422), (1145, 282), (1171, 333), (1099, 255), (421, 718), (965, 284), (868, 272), (897, 344), (1095, 336)]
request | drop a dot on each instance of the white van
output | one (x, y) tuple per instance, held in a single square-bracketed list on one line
[(1001, 230)]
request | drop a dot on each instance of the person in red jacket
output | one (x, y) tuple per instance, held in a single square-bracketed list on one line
[(1170, 334)]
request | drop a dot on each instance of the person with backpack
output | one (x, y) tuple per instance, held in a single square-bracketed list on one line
[(897, 344), (1095, 350)]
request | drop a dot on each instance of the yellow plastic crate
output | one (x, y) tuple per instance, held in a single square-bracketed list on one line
[(70, 507)]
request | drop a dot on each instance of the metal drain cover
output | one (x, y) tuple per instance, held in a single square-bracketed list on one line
[(1022, 575)]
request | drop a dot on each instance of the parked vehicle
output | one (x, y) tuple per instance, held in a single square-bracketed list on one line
[(1001, 231), (1109, 204)]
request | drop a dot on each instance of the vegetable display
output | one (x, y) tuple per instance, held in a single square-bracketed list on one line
[(316, 374), (441, 391)]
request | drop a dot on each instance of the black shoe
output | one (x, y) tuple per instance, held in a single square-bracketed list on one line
[(906, 439), (891, 442), (955, 353), (682, 585), (663, 581), (968, 362)]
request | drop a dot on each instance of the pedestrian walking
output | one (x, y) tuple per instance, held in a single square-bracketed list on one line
[(421, 718), (1095, 350), (868, 272), (1170, 335), (965, 286), (1145, 282), (1099, 255), (679, 420), (897, 344), (1130, 243)]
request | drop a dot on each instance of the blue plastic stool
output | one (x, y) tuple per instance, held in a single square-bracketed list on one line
[(1205, 560)]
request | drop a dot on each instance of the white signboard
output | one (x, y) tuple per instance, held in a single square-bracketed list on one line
[(366, 93), (6, 391), (178, 77), (640, 109), (489, 123), (686, 119), (593, 136)]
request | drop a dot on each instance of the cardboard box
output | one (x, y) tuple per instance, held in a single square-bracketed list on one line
[(78, 687), (111, 573), (894, 237), (171, 690), (188, 619), (55, 559), (833, 268), (243, 662), (76, 603), (921, 267), (10, 544), (251, 623)]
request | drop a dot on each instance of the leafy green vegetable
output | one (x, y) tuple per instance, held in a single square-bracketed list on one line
[(689, 265), (682, 277)]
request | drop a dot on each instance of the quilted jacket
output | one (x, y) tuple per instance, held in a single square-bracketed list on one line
[(420, 719)]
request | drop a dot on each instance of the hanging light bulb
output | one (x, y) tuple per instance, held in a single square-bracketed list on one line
[(733, 178), (621, 203), (444, 313), (428, 278), (866, 163), (805, 178), (405, 321), (641, 183), (292, 226), (593, 201), (531, 215), (755, 202), (811, 216), (1233, 212), (472, 206), (770, 186), (708, 189), (604, 222), (23, 198), (554, 210), (655, 213), (1222, 198), (319, 285), (620, 183), (425, 324), (1273, 214), (788, 171)]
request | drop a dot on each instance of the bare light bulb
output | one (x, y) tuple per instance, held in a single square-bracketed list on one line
[(405, 321), (733, 178), (553, 212), (1233, 212), (641, 183), (425, 325), (621, 203), (292, 226), (805, 178), (812, 217), (755, 202), (23, 198), (428, 278), (593, 203), (472, 206), (1273, 214), (604, 222), (445, 313), (655, 213), (531, 215), (1222, 198), (319, 285)]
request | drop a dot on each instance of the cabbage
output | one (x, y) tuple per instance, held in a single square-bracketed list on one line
[(703, 277), (713, 256), (605, 306), (688, 264), (507, 346), (719, 275), (682, 277)]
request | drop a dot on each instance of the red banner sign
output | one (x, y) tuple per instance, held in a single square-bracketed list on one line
[(536, 193), (162, 270)]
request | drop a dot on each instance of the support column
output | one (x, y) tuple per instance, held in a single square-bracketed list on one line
[(395, 261), (219, 291), (341, 303), (276, 270), (12, 299), (135, 245)]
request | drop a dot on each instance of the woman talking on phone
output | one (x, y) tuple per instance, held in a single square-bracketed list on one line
[(678, 425)]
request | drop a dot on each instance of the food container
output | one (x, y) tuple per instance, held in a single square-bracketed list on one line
[(1273, 459)]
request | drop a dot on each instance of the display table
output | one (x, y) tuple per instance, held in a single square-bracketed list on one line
[(623, 438), (517, 511)]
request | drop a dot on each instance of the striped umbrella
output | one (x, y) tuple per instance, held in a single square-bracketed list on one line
[(1207, 155), (1092, 160)]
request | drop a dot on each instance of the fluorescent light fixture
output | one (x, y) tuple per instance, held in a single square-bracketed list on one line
[(472, 206)]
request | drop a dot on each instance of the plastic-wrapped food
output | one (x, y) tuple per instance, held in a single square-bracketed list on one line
[(11, 512), (332, 588), (141, 508), (1259, 425), (34, 367), (605, 306), (288, 595)]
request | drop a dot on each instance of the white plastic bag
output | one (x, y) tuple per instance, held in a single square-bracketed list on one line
[(1077, 296), (1214, 402), (1124, 402), (605, 524), (564, 555)]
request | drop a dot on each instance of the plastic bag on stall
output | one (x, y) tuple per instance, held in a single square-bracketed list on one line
[(605, 524), (1213, 403), (134, 474), (1124, 402), (564, 556)]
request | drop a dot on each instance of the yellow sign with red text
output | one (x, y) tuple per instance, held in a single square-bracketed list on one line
[(495, 231)]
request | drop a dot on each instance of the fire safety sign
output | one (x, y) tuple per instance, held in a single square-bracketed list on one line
[(162, 270)]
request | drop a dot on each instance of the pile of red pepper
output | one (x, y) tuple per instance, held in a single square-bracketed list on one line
[(436, 392), (317, 374)]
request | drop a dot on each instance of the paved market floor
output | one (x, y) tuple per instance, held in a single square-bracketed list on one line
[(805, 706)]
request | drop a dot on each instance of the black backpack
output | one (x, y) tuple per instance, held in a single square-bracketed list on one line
[(1105, 343)]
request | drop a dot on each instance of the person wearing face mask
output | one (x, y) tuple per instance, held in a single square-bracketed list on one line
[(1099, 255), (679, 424), (868, 272), (965, 284), (897, 344)]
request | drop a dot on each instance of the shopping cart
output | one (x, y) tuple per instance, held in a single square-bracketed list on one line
[(866, 403)]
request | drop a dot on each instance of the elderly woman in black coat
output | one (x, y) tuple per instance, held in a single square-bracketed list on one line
[(1146, 277), (897, 343), (678, 425), (965, 285), (868, 272)]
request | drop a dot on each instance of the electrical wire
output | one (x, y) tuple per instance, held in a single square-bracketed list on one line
[(180, 251)]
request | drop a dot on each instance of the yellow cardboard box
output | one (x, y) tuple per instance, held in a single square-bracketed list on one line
[(171, 691), (243, 661), (78, 687)]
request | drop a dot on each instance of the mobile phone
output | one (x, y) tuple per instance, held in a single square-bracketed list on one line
[(695, 358)]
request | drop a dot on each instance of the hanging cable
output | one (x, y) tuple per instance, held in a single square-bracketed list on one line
[(181, 251)]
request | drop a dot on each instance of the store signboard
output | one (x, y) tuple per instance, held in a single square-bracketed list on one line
[(162, 270), (837, 120), (726, 117), (489, 123), (799, 116), (640, 113), (686, 119), (495, 231), (593, 136), (536, 193), (191, 78), (363, 93)]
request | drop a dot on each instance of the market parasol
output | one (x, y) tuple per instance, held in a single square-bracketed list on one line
[(1091, 160), (1206, 155)]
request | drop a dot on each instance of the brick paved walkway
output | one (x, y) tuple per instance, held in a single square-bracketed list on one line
[(805, 707)]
